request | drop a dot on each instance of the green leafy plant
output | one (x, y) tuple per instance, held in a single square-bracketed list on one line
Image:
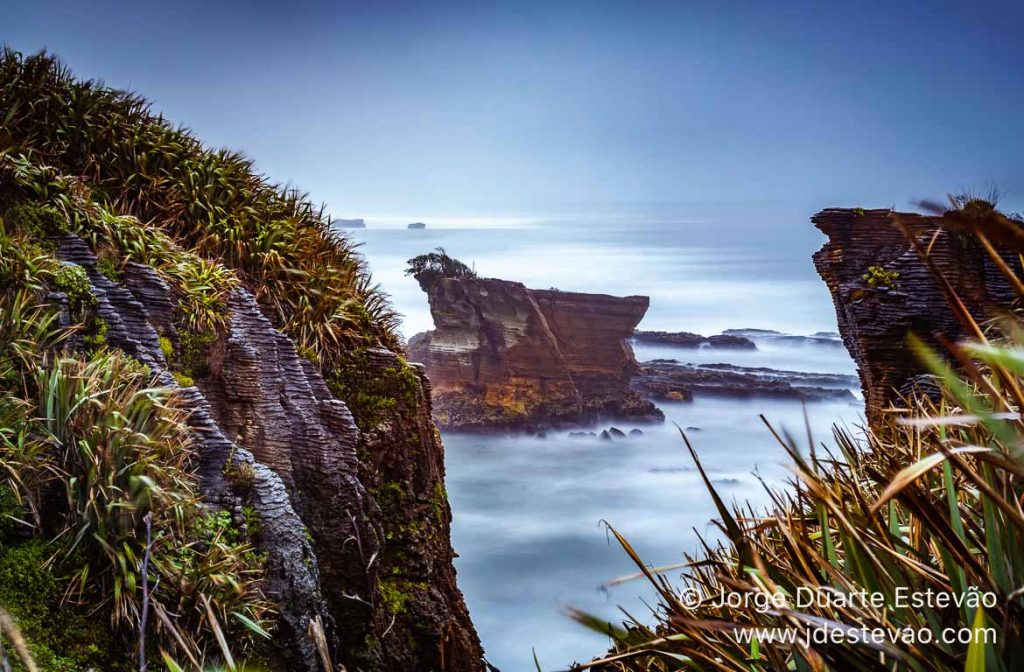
[(214, 203), (430, 267), (879, 276)]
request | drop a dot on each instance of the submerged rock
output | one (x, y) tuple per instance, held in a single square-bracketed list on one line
[(685, 339), (823, 338), (634, 433), (731, 342), (681, 339)]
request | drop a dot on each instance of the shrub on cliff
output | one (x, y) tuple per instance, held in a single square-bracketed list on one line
[(927, 504), (98, 495), (83, 163), (430, 267), (213, 202)]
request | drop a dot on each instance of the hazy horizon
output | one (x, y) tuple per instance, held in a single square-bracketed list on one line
[(527, 109)]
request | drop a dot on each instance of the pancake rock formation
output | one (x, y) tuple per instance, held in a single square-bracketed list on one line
[(342, 531), (505, 356), (882, 292)]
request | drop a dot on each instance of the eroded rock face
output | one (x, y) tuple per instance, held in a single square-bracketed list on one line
[(355, 524), (504, 356), (874, 321)]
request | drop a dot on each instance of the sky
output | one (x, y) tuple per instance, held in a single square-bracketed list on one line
[(396, 109)]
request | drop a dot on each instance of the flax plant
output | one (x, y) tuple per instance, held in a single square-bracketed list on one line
[(928, 500)]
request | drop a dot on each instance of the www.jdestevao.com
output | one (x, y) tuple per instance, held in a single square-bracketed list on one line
[(818, 631)]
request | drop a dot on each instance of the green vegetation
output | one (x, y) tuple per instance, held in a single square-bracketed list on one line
[(96, 464), (372, 399), (72, 280), (430, 267), (396, 593), (929, 500), (118, 451), (93, 457), (212, 203), (879, 276), (60, 638)]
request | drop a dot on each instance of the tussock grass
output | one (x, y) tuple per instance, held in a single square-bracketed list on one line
[(928, 500), (133, 162)]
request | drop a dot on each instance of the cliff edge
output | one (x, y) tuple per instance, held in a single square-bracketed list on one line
[(230, 457), (882, 292)]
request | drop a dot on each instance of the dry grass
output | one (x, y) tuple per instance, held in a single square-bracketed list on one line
[(929, 500)]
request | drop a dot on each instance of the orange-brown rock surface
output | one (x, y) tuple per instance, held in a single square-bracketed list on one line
[(505, 356)]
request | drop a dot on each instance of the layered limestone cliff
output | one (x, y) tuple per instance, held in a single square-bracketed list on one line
[(353, 515), (877, 308), (505, 356)]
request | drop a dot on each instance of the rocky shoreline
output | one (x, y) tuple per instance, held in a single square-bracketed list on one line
[(686, 339), (503, 357), (672, 380)]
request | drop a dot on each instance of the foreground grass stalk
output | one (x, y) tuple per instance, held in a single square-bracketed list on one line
[(926, 503)]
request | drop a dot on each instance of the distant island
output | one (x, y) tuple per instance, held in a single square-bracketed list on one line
[(417, 225), (348, 223)]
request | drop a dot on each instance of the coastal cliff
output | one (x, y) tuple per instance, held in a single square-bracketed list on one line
[(883, 292), (505, 356), (278, 497)]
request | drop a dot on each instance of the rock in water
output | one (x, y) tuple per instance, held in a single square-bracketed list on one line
[(676, 381), (686, 339), (679, 339), (731, 342), (874, 321), (417, 225), (348, 223), (504, 356)]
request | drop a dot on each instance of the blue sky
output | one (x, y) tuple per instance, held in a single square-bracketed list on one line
[(417, 109)]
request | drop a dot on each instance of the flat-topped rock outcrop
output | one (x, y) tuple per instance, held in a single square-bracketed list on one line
[(505, 356)]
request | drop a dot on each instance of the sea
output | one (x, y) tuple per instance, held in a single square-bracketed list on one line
[(531, 515)]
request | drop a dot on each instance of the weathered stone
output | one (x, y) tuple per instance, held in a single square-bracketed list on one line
[(875, 321), (260, 408), (504, 356)]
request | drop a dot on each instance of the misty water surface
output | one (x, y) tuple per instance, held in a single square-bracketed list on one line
[(528, 511)]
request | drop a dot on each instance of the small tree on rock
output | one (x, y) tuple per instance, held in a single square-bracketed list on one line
[(430, 267)]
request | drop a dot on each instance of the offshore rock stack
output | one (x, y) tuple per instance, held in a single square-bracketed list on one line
[(503, 356)]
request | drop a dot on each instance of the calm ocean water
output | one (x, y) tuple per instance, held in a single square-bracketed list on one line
[(528, 511)]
